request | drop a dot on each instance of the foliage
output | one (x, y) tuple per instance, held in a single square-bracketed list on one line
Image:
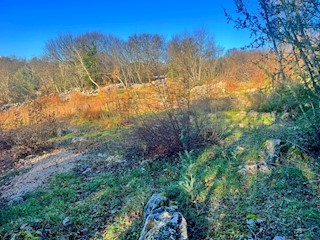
[(291, 29), (188, 182), (192, 57), (287, 98), (299, 106), (247, 67)]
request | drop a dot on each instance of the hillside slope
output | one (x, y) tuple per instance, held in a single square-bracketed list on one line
[(256, 182)]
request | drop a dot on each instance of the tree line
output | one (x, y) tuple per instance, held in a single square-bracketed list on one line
[(289, 28), (92, 60)]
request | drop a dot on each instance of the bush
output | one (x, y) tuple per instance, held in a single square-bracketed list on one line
[(158, 136), (22, 139), (308, 128), (163, 135), (284, 99), (6, 140), (303, 108)]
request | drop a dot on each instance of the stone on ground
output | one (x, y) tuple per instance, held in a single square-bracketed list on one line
[(163, 221)]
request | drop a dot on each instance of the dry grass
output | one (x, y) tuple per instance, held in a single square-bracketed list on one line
[(238, 71), (29, 127)]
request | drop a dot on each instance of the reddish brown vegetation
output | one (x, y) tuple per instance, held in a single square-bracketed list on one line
[(26, 129), (243, 70)]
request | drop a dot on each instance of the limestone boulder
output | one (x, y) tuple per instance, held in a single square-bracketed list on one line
[(163, 221)]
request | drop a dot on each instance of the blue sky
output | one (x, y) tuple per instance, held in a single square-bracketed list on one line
[(26, 25)]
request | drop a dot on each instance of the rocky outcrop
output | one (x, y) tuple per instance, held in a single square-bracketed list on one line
[(163, 221), (269, 158), (271, 153)]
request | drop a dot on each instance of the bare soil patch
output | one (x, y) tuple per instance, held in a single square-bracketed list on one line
[(42, 168)]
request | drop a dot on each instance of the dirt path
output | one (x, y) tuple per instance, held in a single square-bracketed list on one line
[(42, 168)]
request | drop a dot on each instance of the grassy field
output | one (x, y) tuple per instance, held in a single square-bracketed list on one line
[(216, 198)]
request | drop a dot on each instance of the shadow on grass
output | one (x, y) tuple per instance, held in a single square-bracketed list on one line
[(285, 200)]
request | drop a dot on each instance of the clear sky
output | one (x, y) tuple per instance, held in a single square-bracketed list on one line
[(26, 25)]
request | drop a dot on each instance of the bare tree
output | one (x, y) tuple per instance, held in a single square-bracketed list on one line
[(189, 53), (189, 58), (78, 55), (146, 55), (24, 85), (8, 67), (48, 74), (292, 27)]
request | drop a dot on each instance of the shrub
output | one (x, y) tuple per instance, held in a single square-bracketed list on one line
[(158, 136), (21, 140), (162, 135), (6, 140), (308, 128), (284, 99), (303, 108)]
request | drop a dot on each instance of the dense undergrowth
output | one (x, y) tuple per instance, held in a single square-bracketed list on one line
[(216, 198)]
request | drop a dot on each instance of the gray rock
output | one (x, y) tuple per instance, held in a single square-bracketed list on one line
[(78, 140), (254, 168), (67, 222), (81, 158), (162, 222), (70, 130), (285, 116), (86, 171), (279, 238), (102, 155), (263, 167), (271, 152), (249, 168), (243, 171), (21, 162), (156, 201), (29, 157), (269, 158), (15, 200), (115, 159)]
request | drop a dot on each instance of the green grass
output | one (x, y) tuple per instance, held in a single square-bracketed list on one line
[(214, 198)]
